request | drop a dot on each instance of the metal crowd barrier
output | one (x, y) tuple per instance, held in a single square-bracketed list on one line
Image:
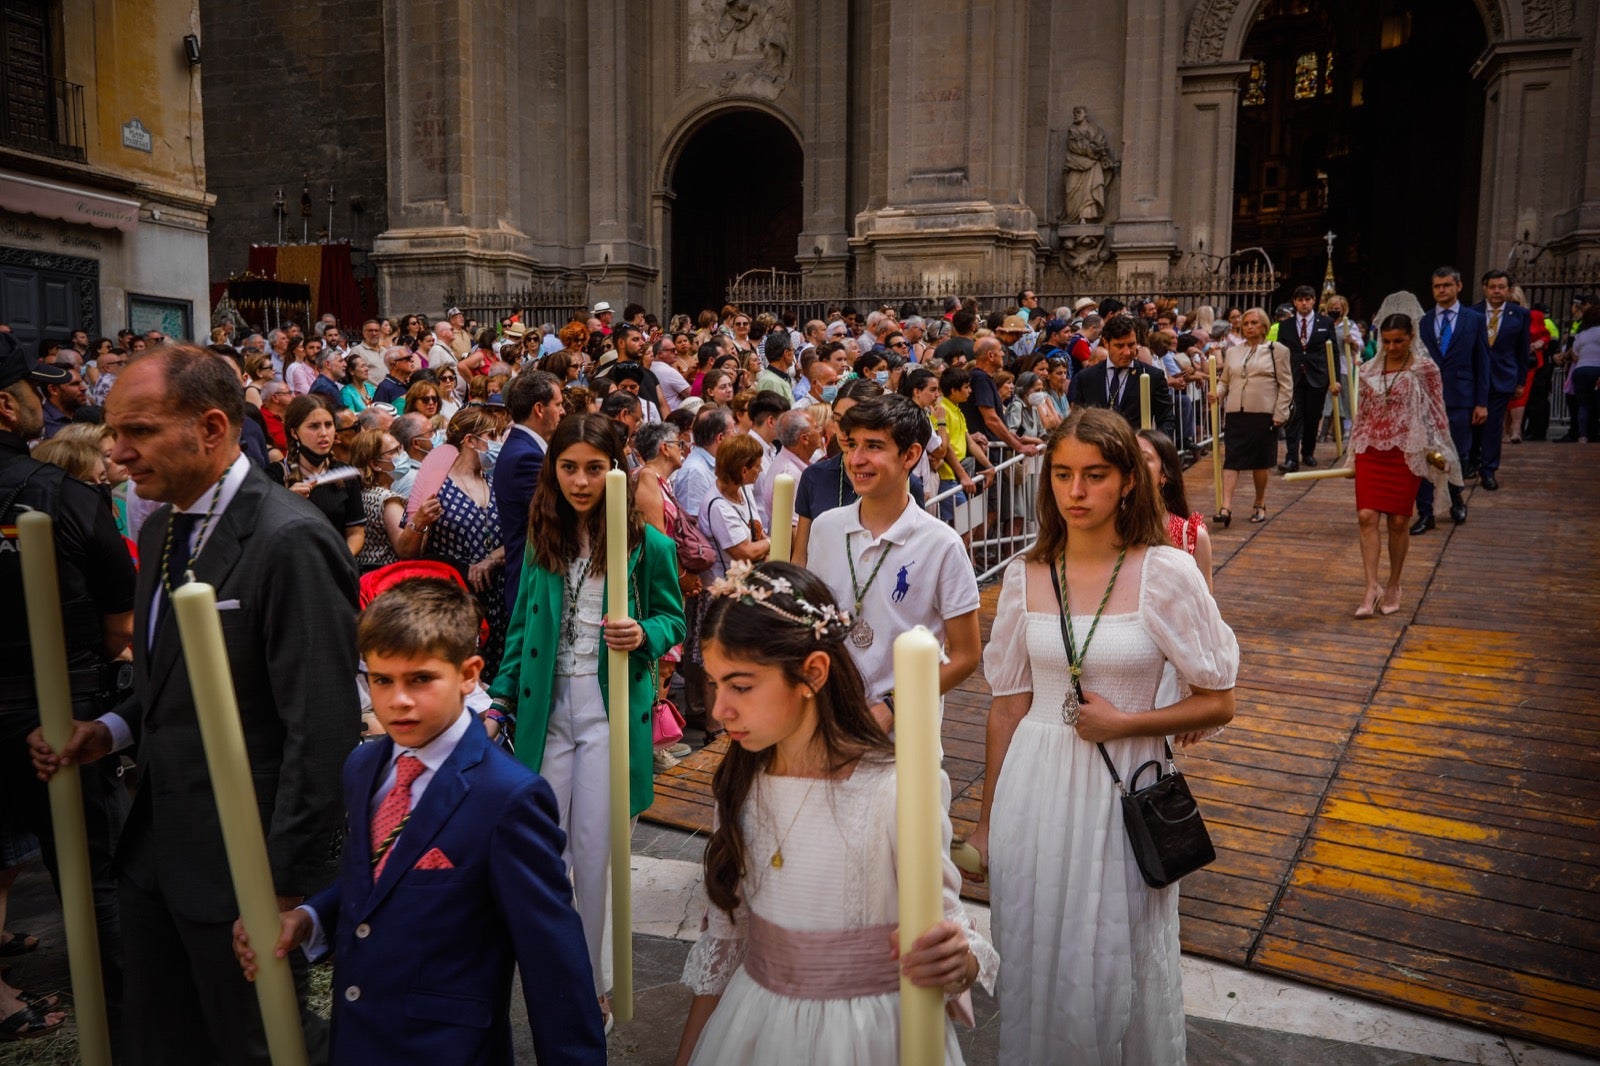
[(1000, 522)]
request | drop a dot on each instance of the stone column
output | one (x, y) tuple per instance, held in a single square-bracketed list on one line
[(1528, 86), (1577, 228), (1208, 126), (618, 257), (451, 152), (951, 199), (1144, 237), (823, 249)]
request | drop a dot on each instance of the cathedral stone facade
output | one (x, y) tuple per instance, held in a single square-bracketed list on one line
[(886, 138)]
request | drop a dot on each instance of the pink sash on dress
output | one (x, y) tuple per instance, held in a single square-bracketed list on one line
[(828, 964), (821, 964)]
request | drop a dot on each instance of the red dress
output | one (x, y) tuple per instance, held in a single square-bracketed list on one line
[(1384, 482), (1185, 532), (1400, 419)]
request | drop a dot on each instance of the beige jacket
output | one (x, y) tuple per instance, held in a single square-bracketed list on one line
[(1257, 379)]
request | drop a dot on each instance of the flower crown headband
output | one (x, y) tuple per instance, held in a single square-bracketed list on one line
[(744, 584)]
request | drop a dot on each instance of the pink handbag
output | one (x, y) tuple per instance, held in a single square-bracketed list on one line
[(666, 722)]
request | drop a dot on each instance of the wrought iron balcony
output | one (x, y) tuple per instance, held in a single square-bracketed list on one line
[(44, 116)]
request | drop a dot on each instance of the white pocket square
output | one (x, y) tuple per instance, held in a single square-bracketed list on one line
[(227, 605)]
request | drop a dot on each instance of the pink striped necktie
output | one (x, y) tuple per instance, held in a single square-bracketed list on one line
[(393, 813)]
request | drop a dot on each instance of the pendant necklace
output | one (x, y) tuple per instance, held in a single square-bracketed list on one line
[(1075, 657), (776, 861), (199, 543), (861, 634), (572, 582)]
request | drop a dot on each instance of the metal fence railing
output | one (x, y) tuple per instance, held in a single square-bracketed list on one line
[(556, 302), (778, 291), (1001, 520)]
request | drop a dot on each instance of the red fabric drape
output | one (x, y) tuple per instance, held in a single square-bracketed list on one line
[(337, 292)]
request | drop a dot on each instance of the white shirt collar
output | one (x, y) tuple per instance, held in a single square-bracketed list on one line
[(899, 530), (434, 753), (1452, 309), (231, 480)]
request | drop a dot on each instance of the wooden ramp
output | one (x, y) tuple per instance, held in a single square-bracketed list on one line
[(1404, 808)]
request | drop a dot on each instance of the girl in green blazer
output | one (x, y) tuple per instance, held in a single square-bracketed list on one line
[(553, 681)]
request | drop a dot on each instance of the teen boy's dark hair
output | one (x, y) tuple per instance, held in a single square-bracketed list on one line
[(954, 379), (765, 403), (421, 617), (892, 413)]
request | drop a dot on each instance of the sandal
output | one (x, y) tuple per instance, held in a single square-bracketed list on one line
[(18, 944), (27, 1022), (1258, 514), (1223, 518), (44, 1004)]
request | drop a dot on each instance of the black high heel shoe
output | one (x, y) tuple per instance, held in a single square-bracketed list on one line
[(1223, 518)]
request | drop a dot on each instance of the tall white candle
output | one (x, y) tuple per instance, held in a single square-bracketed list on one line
[(47, 639), (1216, 428), (919, 818), (782, 517), (1338, 430), (617, 685), (1144, 402), (217, 708)]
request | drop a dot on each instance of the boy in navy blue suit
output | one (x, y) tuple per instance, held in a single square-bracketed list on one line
[(452, 868)]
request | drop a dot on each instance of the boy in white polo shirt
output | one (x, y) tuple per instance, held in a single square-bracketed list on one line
[(892, 564)]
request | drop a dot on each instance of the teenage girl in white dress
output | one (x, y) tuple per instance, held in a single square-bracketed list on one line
[(1089, 972)]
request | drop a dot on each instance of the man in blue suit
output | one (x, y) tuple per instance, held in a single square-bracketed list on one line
[(1457, 337), (452, 872), (535, 405), (1510, 354)]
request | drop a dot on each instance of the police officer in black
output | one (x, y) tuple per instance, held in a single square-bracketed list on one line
[(97, 588)]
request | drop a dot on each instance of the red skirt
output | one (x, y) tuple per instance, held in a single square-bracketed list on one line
[(1385, 483)]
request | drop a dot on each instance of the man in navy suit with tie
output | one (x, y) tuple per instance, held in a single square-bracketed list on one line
[(452, 873), (1510, 353), (1457, 337), (535, 405)]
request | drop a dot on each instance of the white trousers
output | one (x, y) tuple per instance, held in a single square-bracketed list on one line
[(577, 765)]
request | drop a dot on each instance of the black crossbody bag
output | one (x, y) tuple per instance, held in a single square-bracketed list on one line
[(1165, 830)]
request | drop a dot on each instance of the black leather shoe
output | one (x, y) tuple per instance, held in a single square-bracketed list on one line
[(1488, 481), (1290, 467), (1310, 460), (1422, 525), (1458, 513), (1468, 473)]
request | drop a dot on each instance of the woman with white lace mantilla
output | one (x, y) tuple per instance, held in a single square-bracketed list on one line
[(1401, 435), (1089, 953)]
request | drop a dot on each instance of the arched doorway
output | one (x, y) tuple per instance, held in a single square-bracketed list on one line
[(736, 205), (1361, 118)]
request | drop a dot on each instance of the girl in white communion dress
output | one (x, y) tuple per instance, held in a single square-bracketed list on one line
[(798, 962)]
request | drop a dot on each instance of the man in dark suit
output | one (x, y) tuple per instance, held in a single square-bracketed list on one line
[(286, 591), (1457, 337), (1115, 382), (536, 407), (1510, 354), (1306, 334)]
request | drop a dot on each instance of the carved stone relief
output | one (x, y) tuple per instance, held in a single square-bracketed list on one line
[(1207, 33), (741, 46)]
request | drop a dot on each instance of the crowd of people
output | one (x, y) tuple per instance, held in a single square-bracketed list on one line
[(446, 486)]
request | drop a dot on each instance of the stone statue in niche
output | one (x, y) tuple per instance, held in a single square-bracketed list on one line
[(1086, 172), (747, 39)]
